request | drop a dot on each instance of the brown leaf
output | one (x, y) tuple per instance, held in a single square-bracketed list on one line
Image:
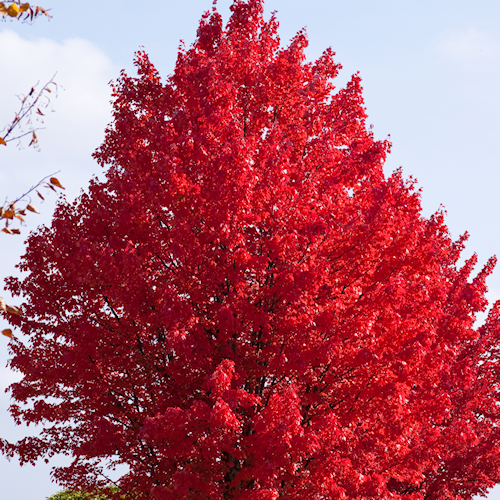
[(34, 139), (38, 112), (20, 217), (55, 181), (8, 333), (2, 142), (7, 230), (32, 208), (3, 305), (8, 214), (15, 231), (38, 193), (3, 9), (24, 7), (13, 10), (14, 310), (21, 212)]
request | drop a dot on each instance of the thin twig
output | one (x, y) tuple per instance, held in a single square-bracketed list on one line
[(31, 189), (26, 110)]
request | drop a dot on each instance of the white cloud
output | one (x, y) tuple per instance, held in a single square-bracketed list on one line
[(469, 49), (72, 132), (81, 109), (83, 70)]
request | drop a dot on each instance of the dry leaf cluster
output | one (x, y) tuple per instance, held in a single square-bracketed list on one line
[(11, 310), (22, 10), (30, 114), (9, 212)]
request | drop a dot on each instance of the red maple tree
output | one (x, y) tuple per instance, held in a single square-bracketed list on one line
[(247, 307)]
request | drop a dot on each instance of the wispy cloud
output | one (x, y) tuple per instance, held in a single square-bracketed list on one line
[(469, 49), (72, 132), (83, 73)]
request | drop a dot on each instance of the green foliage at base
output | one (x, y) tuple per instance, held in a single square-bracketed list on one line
[(81, 495)]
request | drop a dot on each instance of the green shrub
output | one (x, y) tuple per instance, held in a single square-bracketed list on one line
[(81, 495)]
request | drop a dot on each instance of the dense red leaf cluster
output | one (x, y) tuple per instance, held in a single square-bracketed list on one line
[(247, 307)]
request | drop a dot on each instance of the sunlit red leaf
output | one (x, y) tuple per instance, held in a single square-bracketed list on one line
[(2, 142), (7, 230)]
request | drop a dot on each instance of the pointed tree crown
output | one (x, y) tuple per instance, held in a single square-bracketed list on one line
[(247, 307)]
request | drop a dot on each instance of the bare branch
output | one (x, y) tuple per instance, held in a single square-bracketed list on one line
[(9, 212), (31, 104)]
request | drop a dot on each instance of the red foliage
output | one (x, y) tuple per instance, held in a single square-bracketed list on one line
[(247, 308)]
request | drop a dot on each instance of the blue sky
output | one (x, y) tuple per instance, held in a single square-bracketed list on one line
[(430, 74)]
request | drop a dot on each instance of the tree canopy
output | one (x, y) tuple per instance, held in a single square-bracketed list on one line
[(247, 307)]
